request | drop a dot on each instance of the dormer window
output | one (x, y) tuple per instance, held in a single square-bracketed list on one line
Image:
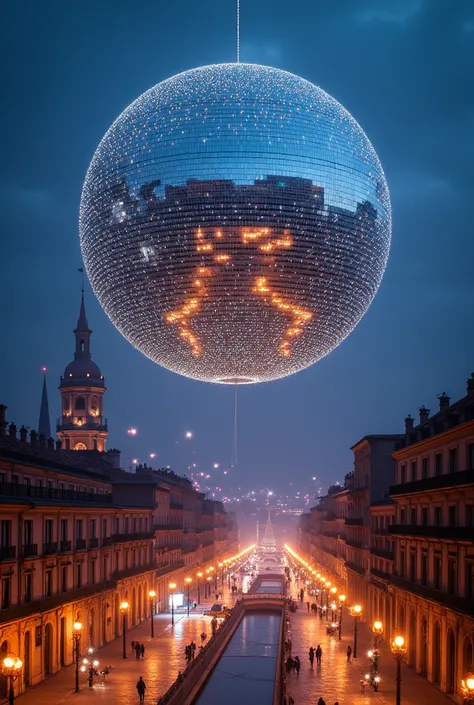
[(82, 346), (80, 403)]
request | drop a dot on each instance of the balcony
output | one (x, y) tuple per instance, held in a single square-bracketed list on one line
[(176, 505), (170, 568), (64, 546), (136, 536), (380, 574), (135, 570), (355, 567), (7, 553), (430, 484), (169, 526), (355, 544), (29, 550), (107, 541), (459, 604), (50, 548), (51, 494), (449, 533), (81, 544), (355, 521), (207, 542), (67, 423), (381, 553), (94, 542), (360, 488)]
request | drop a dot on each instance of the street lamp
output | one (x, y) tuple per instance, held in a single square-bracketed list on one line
[(342, 599), (356, 612), (124, 610), (172, 587), (76, 635), (221, 566), (333, 611), (199, 576), (208, 585), (467, 688), (152, 595), (12, 667), (188, 582), (398, 650)]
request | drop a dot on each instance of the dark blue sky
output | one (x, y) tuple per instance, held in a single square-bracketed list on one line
[(403, 68)]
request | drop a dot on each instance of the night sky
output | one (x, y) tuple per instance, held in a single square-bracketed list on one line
[(403, 68)]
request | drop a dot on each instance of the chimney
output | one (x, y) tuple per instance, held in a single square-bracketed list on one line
[(42, 440), (50, 443), (424, 414), (23, 434), (409, 424), (12, 431), (114, 458), (33, 437), (470, 386), (443, 401), (58, 444), (3, 421)]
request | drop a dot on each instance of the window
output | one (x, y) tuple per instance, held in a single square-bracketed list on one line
[(6, 528), (64, 578), (424, 516), (63, 529), (93, 572), (453, 515), (452, 576), (117, 525), (453, 460), (469, 579), (104, 568), (134, 524), (28, 532), (48, 583), (424, 468), (438, 516), (403, 519), (402, 562), (125, 528), (413, 471), (438, 464), (470, 457), (80, 403), (15, 479), (6, 593), (412, 566), (39, 483), (116, 560), (104, 528), (403, 474), (437, 571), (28, 587), (469, 516), (92, 528), (78, 529), (413, 516), (424, 568), (48, 531), (78, 575)]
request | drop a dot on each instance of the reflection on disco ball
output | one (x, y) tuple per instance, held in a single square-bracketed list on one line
[(235, 223)]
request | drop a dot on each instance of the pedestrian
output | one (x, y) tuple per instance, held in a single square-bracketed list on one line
[(319, 653), (133, 646), (142, 650), (349, 654), (289, 664), (203, 637), (321, 701), (308, 606), (217, 596), (193, 649), (311, 656), (141, 687), (289, 646), (137, 650), (291, 701), (297, 665)]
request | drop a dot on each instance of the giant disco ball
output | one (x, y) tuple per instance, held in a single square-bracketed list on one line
[(235, 223)]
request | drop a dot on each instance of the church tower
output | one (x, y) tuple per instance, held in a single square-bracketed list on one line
[(82, 388)]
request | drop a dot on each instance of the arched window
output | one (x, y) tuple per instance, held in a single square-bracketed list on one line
[(80, 403), (94, 405), (80, 446)]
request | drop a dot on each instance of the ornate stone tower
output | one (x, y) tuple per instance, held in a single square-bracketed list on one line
[(82, 388)]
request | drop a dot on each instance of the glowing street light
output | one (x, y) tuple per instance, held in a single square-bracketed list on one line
[(398, 650), (467, 688), (199, 576), (172, 588), (124, 610), (151, 596), (342, 599), (356, 612), (188, 582), (76, 636), (12, 667)]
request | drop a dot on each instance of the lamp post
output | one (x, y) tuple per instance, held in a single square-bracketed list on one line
[(12, 667), (333, 611), (221, 566), (188, 582), (152, 595), (377, 630), (76, 636), (172, 587), (199, 576), (467, 689), (328, 585), (356, 612), (208, 585), (124, 610), (398, 649), (342, 599)]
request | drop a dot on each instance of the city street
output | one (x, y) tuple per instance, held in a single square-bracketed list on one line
[(164, 658), (336, 680)]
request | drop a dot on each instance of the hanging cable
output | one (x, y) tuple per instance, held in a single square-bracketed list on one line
[(238, 31), (234, 438)]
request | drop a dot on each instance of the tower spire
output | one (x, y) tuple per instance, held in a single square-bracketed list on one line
[(44, 426)]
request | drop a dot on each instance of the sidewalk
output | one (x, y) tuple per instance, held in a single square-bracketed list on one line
[(336, 680), (164, 658)]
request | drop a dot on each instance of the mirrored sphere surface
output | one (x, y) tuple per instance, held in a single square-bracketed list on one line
[(235, 223)]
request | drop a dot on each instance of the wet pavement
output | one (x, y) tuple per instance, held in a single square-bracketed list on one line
[(164, 658), (337, 680)]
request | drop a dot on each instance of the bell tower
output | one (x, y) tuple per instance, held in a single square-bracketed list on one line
[(82, 388)]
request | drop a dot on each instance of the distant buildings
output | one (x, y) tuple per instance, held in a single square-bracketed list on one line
[(79, 535), (405, 551)]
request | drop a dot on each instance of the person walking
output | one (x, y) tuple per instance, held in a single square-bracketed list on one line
[(308, 606), (133, 646), (319, 653), (141, 687), (321, 701), (142, 650), (311, 656), (297, 665), (137, 650), (349, 653)]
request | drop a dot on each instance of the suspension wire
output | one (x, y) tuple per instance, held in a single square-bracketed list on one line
[(238, 31), (234, 438)]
